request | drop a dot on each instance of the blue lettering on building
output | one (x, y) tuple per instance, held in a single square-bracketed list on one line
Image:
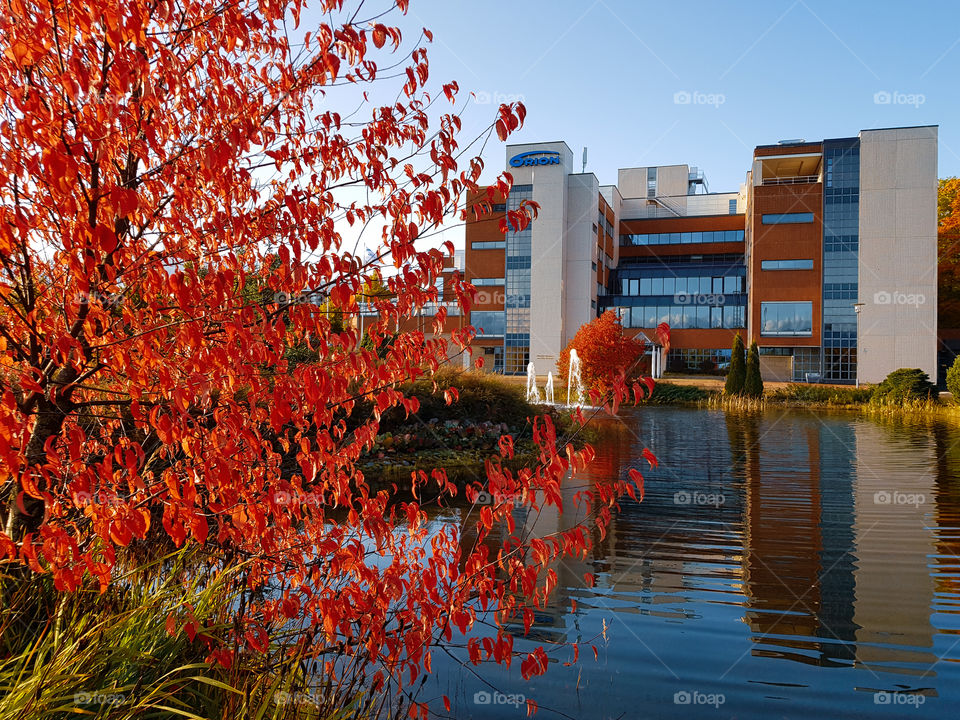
[(546, 157)]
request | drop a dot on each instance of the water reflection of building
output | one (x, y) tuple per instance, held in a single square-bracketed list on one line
[(782, 538), (894, 587), (947, 512), (833, 573)]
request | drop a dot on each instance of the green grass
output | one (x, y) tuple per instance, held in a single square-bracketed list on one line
[(665, 393), (109, 655), (820, 395)]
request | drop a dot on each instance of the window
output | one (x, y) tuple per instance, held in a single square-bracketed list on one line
[(716, 317), (733, 207), (651, 182), (488, 323), (482, 282), (681, 238), (499, 207), (786, 318), (787, 218), (488, 245), (786, 265), (733, 316)]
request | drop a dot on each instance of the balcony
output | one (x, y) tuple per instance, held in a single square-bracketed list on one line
[(792, 169), (791, 180)]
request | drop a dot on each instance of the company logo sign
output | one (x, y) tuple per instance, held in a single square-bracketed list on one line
[(535, 157)]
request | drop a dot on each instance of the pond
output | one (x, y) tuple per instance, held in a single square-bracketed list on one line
[(783, 564)]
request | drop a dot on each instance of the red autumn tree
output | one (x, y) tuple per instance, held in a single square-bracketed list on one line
[(948, 252), (170, 175), (605, 353)]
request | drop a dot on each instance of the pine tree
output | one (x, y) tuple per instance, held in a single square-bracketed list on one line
[(753, 383), (737, 374)]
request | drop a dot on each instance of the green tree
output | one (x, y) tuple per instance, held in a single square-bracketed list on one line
[(738, 373), (753, 383), (953, 379), (903, 385)]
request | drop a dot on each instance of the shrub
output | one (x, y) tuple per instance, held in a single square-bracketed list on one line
[(738, 373), (904, 385), (953, 379), (753, 383)]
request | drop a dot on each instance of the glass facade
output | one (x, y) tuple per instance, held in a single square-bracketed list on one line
[(841, 222), (517, 290), (488, 323), (683, 317), (698, 360), (681, 238), (786, 318), (699, 292)]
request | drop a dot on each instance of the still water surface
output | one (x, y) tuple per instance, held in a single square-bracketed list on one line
[(782, 565)]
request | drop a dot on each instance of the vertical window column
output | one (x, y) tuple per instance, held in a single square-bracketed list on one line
[(841, 225), (517, 290)]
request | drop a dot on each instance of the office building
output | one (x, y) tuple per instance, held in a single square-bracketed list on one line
[(822, 237)]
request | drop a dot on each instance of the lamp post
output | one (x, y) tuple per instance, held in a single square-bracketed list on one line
[(858, 307)]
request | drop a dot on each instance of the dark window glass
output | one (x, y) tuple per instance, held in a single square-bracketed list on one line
[(786, 218)]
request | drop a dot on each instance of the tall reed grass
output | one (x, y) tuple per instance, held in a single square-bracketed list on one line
[(109, 655)]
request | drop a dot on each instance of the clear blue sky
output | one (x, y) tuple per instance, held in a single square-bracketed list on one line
[(611, 74)]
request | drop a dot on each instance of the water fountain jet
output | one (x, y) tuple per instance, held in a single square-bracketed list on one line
[(575, 390), (533, 394)]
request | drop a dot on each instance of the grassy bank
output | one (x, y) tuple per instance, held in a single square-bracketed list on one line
[(111, 654), (813, 397)]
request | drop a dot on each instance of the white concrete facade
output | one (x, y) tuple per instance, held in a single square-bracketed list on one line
[(579, 306), (548, 247), (897, 252)]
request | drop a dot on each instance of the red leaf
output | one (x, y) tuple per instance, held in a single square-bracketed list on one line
[(650, 457)]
